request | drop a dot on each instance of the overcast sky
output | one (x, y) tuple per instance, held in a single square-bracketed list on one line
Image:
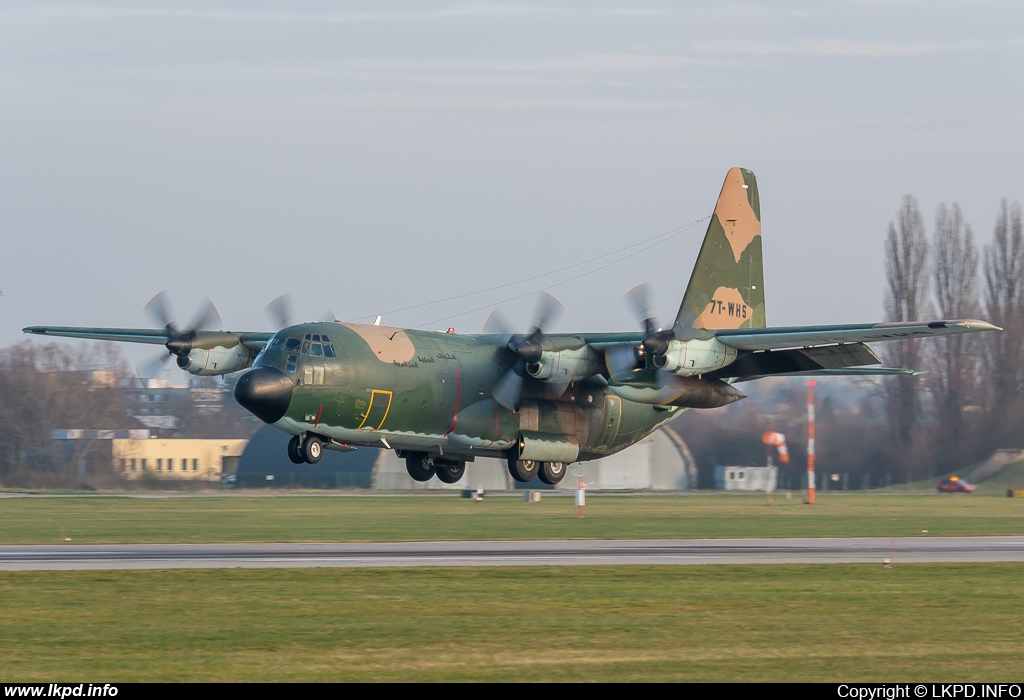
[(371, 157)]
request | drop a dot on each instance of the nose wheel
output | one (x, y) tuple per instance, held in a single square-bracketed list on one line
[(308, 451)]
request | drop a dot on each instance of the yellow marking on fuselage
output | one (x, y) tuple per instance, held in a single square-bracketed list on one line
[(369, 409)]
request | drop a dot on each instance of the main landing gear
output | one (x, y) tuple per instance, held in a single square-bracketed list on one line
[(523, 470), (423, 467), (308, 451)]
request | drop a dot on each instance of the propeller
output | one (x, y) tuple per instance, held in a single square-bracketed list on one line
[(655, 342), (179, 340), (508, 390), (281, 313)]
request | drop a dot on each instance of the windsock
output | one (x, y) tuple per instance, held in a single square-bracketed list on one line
[(777, 440)]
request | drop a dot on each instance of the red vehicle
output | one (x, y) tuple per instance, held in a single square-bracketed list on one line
[(954, 484)]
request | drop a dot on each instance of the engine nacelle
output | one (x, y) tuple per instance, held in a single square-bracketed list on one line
[(688, 358), (217, 360), (565, 366)]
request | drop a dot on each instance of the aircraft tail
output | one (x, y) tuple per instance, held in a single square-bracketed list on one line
[(726, 288)]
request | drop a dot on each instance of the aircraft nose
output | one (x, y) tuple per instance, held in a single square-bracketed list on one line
[(265, 392)]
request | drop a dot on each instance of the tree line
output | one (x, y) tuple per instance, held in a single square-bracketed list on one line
[(969, 402)]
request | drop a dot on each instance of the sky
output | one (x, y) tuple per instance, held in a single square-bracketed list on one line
[(371, 157)]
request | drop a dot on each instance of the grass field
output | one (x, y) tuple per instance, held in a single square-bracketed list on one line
[(929, 622), (380, 518)]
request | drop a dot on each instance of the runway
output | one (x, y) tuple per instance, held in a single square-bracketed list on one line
[(900, 550)]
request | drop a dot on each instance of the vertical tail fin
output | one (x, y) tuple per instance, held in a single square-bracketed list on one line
[(726, 288)]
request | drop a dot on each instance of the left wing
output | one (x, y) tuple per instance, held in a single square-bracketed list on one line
[(809, 336)]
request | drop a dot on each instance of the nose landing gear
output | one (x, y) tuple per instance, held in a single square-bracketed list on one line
[(308, 451)]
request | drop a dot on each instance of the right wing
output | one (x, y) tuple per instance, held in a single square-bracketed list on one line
[(151, 336)]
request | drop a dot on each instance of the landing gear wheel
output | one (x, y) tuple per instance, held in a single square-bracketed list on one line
[(419, 468), (522, 470), (450, 473), (313, 449), (294, 451), (551, 472)]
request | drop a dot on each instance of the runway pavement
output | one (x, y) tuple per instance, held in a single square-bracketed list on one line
[(900, 550)]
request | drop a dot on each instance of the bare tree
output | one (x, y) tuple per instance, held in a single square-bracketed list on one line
[(46, 387), (953, 361), (906, 299), (1004, 306)]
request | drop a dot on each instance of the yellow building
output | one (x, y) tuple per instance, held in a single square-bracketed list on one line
[(202, 460)]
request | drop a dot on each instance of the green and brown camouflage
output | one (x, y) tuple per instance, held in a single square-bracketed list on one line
[(442, 399), (431, 392), (726, 289)]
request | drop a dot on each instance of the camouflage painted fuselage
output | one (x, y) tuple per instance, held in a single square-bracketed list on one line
[(431, 392)]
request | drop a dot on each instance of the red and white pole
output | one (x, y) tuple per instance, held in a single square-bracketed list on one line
[(581, 497), (810, 442)]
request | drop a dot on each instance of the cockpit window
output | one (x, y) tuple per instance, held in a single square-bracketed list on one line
[(313, 344)]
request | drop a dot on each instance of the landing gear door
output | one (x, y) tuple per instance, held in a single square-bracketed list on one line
[(612, 419)]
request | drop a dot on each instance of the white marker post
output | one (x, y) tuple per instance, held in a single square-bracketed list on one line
[(581, 497), (810, 442)]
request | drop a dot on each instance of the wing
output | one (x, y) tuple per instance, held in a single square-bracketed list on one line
[(838, 372), (809, 336), (125, 335), (150, 336)]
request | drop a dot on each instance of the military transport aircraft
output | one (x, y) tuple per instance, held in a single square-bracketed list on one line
[(540, 400)]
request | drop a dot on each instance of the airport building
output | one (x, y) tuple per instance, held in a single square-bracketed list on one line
[(746, 478), (135, 454)]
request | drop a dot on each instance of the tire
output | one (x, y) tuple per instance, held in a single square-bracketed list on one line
[(419, 468), (552, 473), (294, 451), (313, 449), (450, 472), (523, 470)]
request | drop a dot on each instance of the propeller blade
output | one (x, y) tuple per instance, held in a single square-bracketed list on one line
[(639, 300), (280, 311), (497, 324), (152, 367), (548, 309), (206, 315), (158, 309), (508, 389), (327, 317)]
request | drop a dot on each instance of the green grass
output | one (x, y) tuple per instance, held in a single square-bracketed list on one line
[(325, 518), (1009, 477), (658, 623)]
